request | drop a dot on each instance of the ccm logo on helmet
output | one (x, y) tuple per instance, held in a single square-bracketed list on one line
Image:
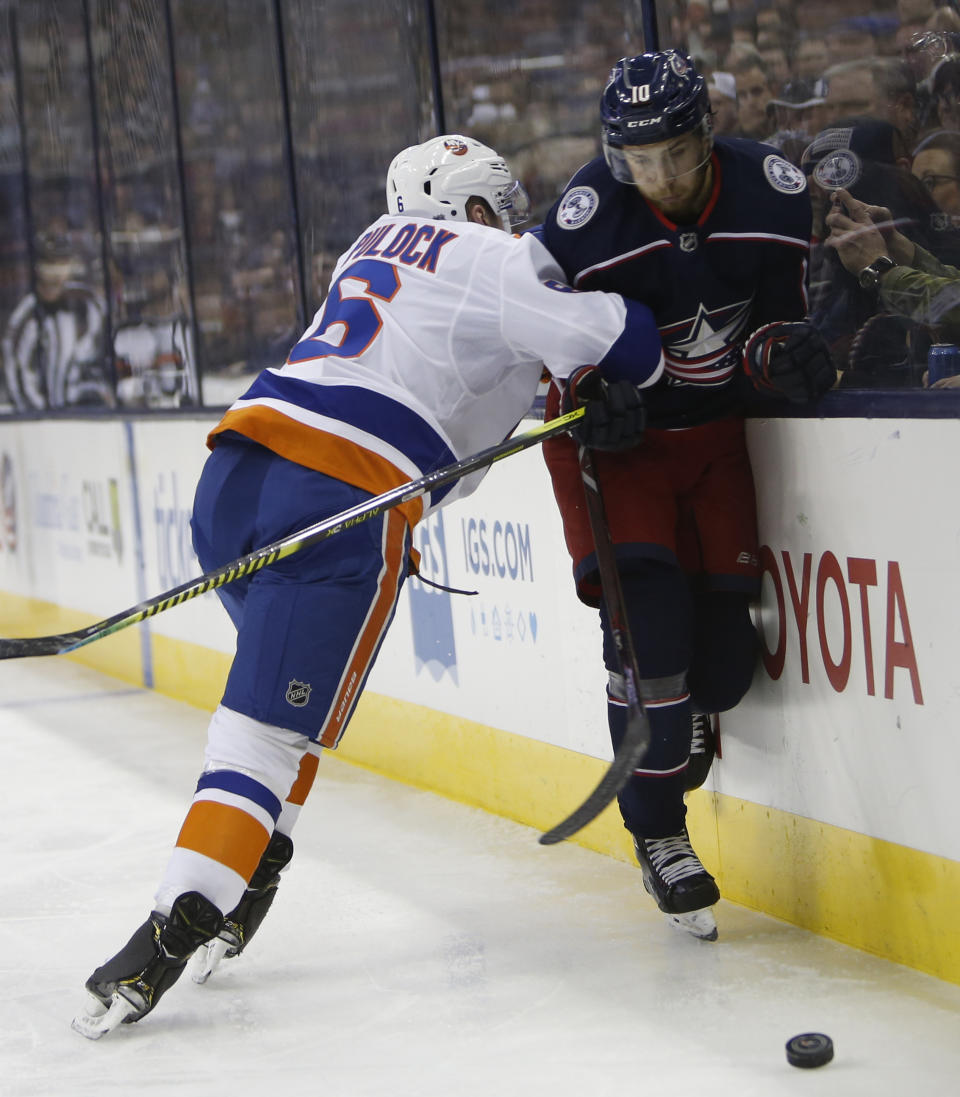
[(640, 93), (644, 122)]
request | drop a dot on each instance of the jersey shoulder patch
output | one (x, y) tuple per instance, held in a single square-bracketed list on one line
[(784, 176), (577, 206)]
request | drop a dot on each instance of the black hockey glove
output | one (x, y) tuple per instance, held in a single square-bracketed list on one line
[(615, 416), (791, 360)]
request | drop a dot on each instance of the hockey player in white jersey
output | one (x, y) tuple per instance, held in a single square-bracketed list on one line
[(428, 348)]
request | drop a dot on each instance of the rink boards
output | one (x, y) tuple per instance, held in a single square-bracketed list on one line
[(834, 804)]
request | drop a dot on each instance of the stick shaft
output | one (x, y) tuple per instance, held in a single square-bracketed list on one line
[(62, 643), (637, 736)]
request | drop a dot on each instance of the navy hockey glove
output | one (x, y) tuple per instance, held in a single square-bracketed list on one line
[(615, 416), (791, 360)]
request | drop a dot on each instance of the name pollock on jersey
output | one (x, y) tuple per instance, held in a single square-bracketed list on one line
[(402, 243)]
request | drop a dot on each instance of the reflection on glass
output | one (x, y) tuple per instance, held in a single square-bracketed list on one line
[(239, 210), (360, 91), (869, 89), (54, 339), (165, 233), (152, 336), (14, 255), (527, 82)]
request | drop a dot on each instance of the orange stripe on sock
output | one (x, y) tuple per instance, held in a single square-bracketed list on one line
[(224, 834), (366, 646), (304, 782)]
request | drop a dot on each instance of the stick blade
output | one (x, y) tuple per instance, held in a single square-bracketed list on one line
[(625, 761), (35, 645)]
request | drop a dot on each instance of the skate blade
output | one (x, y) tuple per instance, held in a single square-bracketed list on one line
[(207, 959), (99, 1020), (698, 923)]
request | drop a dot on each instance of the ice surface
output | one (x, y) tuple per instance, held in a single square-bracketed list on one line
[(416, 947)]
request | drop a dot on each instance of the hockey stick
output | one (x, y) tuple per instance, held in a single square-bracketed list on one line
[(287, 546), (637, 737)]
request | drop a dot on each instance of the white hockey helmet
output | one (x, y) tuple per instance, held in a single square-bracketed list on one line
[(437, 179)]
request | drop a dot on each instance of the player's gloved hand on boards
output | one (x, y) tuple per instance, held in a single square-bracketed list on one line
[(614, 417), (791, 360)]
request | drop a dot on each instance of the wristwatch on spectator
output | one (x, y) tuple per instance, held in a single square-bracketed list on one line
[(870, 276)]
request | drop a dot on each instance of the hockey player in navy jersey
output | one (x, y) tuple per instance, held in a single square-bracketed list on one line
[(429, 348), (713, 235)]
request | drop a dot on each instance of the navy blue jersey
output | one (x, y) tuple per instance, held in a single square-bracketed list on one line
[(709, 284)]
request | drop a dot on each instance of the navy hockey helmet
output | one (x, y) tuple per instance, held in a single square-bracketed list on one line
[(648, 98)]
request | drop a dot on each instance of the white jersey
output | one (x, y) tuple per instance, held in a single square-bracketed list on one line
[(428, 349)]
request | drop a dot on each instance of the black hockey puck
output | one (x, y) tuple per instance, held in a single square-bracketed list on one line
[(810, 1049)]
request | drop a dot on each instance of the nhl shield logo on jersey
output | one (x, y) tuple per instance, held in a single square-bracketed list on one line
[(298, 693), (688, 241), (577, 207), (784, 176)]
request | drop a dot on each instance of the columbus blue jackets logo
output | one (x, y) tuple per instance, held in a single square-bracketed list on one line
[(705, 349), (577, 207), (784, 176), (840, 169)]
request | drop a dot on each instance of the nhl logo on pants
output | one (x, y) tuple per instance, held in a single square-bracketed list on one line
[(298, 693)]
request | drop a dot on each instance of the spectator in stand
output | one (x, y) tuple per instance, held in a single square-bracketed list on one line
[(946, 93), (739, 53), (866, 158), (925, 53), (753, 95), (914, 16), (773, 45), (743, 28), (795, 115), (811, 57), (908, 281), (852, 39), (878, 87), (722, 90), (936, 163)]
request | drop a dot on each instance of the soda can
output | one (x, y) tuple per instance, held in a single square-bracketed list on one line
[(943, 360)]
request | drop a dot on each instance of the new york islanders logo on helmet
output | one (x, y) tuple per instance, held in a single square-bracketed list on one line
[(455, 146)]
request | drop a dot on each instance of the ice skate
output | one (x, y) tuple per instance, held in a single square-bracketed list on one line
[(681, 886), (703, 746), (244, 920), (128, 986)]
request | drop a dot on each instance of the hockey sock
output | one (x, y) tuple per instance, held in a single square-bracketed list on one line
[(660, 615), (250, 767), (725, 651), (300, 790), (651, 802)]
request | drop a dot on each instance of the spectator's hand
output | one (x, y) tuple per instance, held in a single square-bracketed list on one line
[(861, 233), (853, 235), (943, 383), (615, 416), (791, 360)]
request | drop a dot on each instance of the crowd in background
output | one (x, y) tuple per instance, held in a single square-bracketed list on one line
[(171, 208), (865, 99)]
